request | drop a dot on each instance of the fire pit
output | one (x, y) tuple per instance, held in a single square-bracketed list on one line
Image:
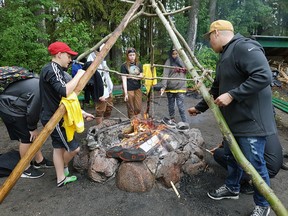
[(169, 153)]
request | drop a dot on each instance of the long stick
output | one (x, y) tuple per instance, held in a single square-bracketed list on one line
[(146, 114), (47, 130), (175, 189), (260, 184), (148, 78), (87, 52)]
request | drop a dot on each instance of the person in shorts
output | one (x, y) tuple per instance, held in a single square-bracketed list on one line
[(54, 86), (20, 111)]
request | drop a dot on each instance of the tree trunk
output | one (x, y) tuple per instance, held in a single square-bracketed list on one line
[(212, 10), (193, 23), (144, 37)]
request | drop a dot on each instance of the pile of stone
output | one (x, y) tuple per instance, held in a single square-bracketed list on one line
[(169, 154)]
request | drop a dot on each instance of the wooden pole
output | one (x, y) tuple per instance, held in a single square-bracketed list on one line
[(49, 127), (150, 25), (260, 184), (87, 52)]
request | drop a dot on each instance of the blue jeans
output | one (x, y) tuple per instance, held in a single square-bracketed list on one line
[(179, 98), (253, 149)]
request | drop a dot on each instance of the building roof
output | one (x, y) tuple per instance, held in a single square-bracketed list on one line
[(276, 47)]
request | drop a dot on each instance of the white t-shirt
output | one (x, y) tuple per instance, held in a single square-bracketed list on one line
[(107, 82)]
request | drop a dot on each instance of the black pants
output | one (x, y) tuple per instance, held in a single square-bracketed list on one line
[(89, 93)]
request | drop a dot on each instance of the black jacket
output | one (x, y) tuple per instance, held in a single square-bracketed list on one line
[(22, 99), (243, 72), (52, 89), (96, 80)]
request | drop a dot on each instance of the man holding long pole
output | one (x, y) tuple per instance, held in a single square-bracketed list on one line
[(242, 91)]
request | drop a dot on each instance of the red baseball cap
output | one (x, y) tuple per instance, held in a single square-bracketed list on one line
[(58, 46)]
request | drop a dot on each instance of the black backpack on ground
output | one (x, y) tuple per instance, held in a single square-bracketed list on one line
[(8, 161)]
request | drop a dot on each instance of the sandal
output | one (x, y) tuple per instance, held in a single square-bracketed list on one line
[(66, 171), (67, 180)]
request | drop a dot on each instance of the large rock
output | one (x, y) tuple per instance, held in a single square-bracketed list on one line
[(192, 168), (152, 163), (134, 177), (194, 150), (194, 135), (81, 160), (101, 168), (171, 173), (170, 168)]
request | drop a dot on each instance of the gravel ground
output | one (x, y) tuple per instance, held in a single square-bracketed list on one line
[(42, 197)]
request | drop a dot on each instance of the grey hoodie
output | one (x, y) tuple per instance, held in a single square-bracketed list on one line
[(174, 85)]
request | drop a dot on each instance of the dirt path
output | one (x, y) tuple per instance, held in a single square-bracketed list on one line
[(42, 197)]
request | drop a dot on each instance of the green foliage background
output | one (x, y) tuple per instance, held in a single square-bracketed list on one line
[(29, 26)]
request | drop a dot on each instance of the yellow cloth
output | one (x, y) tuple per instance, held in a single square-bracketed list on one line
[(147, 73), (176, 91), (73, 119)]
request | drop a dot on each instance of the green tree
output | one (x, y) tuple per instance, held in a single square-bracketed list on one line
[(21, 38), (93, 20)]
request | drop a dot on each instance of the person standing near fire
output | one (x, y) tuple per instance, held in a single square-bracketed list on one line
[(54, 86), (104, 102), (242, 91), (132, 85), (175, 89)]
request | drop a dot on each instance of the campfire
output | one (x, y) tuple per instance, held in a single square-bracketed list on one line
[(140, 153)]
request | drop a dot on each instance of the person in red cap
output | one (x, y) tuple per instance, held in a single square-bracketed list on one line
[(54, 86), (242, 91)]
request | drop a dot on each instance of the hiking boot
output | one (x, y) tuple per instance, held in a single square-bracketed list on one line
[(67, 180), (32, 173), (223, 193), (247, 188), (133, 154), (169, 122), (45, 163), (261, 211)]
